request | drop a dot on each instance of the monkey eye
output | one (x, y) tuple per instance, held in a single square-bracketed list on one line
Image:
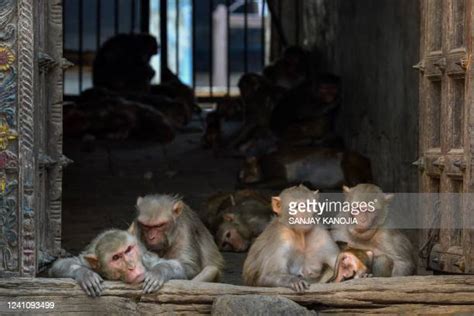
[(129, 249), (228, 235), (161, 225), (115, 257)]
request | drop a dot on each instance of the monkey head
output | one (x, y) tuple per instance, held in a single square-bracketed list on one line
[(327, 88), (249, 84), (117, 255), (251, 171), (146, 45), (286, 203), (353, 264), (156, 220), (232, 235), (369, 206)]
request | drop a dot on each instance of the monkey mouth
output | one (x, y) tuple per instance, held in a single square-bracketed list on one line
[(138, 278)]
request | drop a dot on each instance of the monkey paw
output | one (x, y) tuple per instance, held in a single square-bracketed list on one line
[(299, 285), (366, 275), (89, 281), (153, 281)]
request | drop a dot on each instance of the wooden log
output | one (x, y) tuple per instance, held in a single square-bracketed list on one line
[(426, 294)]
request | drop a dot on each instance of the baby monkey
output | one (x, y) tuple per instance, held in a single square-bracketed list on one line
[(117, 255), (353, 263)]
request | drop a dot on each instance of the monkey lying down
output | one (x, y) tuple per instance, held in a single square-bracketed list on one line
[(117, 255)]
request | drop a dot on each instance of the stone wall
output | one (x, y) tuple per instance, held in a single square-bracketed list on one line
[(372, 45)]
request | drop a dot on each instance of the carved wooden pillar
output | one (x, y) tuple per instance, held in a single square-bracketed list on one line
[(30, 133)]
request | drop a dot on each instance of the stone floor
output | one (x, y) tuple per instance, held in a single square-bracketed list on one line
[(101, 187)]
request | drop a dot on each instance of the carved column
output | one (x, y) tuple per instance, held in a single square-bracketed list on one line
[(30, 133)]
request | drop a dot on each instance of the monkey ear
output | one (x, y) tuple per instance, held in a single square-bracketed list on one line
[(229, 217), (139, 200), (178, 208), (92, 260), (132, 229), (316, 192), (276, 204), (388, 197), (346, 189)]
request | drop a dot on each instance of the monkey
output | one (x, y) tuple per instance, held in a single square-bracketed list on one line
[(223, 124), (307, 113), (220, 203), (241, 223), (105, 114), (290, 70), (172, 87), (292, 251), (371, 232), (258, 97), (251, 172), (122, 63), (170, 228), (322, 168), (355, 263), (117, 255)]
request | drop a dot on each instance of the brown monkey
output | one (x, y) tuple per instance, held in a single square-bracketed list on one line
[(170, 228), (355, 263), (371, 232), (322, 168), (117, 255), (218, 204), (242, 223), (289, 70), (292, 251)]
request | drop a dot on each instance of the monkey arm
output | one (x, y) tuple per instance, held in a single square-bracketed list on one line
[(79, 270), (276, 279), (169, 269), (160, 271)]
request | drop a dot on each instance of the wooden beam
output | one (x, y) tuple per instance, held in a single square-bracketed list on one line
[(446, 294)]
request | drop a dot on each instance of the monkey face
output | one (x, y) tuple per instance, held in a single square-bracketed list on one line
[(157, 219), (125, 264), (117, 255), (328, 93), (229, 238), (353, 264), (155, 236)]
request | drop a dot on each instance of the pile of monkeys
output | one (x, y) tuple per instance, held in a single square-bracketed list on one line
[(167, 240), (123, 102), (284, 124)]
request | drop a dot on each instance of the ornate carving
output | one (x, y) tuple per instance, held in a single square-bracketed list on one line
[(6, 58), (22, 87), (9, 223), (27, 170), (6, 135)]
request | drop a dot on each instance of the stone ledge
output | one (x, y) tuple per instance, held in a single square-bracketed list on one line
[(426, 294)]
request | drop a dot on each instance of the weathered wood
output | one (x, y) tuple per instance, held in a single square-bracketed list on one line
[(446, 143), (425, 294)]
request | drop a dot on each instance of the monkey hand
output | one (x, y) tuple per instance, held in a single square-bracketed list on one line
[(365, 275), (153, 281), (89, 281), (298, 284)]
